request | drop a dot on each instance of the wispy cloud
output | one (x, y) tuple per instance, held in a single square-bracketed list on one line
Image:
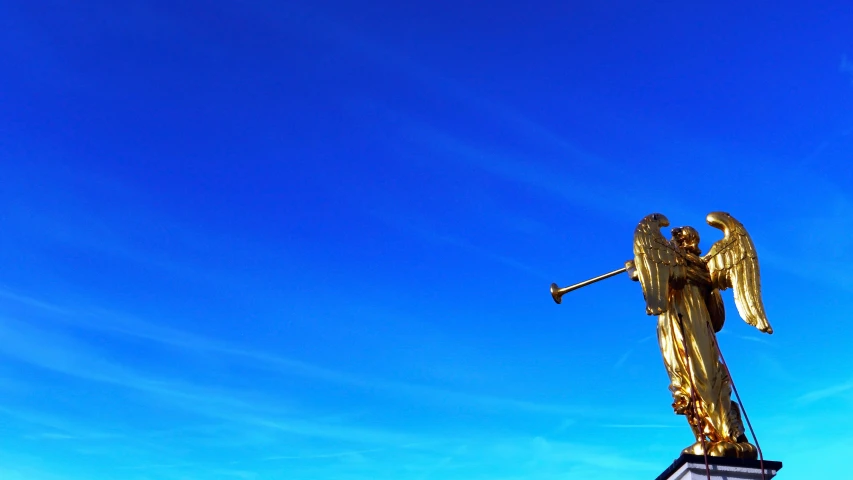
[(93, 368), (601, 457), (846, 67), (755, 339), (624, 357), (516, 169), (268, 424), (59, 353), (319, 24), (321, 456), (588, 189), (824, 393), (433, 235), (639, 425), (60, 427)]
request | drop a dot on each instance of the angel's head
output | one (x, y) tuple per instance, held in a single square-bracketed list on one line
[(687, 238)]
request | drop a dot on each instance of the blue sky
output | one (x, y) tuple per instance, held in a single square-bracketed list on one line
[(313, 240)]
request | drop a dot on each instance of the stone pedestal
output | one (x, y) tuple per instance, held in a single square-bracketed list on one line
[(692, 467)]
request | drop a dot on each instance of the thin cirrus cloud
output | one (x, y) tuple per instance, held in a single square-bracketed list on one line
[(238, 412), (62, 354), (108, 322), (826, 392), (585, 191)]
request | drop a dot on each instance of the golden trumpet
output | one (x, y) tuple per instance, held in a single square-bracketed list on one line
[(557, 292)]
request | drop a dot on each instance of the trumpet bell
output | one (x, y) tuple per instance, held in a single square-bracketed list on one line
[(556, 294)]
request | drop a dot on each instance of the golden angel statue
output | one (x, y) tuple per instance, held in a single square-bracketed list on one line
[(682, 288)]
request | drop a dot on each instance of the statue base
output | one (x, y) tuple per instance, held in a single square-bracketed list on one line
[(692, 467)]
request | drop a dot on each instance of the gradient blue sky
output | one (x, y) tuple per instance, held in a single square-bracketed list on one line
[(313, 240)]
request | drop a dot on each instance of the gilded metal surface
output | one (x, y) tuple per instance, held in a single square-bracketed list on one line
[(682, 288), (557, 292)]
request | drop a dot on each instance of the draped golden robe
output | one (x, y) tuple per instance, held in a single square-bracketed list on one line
[(699, 382)]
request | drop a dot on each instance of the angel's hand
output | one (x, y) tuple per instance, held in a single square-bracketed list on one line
[(632, 271)]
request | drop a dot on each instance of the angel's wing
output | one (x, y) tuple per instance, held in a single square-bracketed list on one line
[(733, 263), (656, 261)]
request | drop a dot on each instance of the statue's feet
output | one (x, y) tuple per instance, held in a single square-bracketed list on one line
[(697, 448), (744, 450)]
